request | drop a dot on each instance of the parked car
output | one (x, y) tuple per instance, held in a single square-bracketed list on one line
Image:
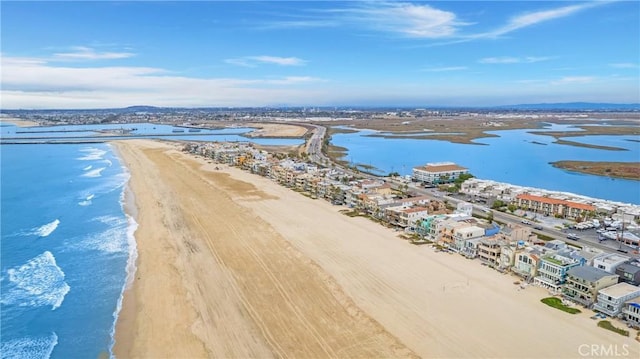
[(573, 236)]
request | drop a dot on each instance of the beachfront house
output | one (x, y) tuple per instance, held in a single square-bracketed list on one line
[(609, 262), (508, 254), (584, 282), (552, 272), (631, 312), (405, 217), (437, 173), (629, 272), (526, 263), (489, 249), (464, 233), (611, 300), (426, 226)]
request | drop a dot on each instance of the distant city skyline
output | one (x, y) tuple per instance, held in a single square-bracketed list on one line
[(303, 53)]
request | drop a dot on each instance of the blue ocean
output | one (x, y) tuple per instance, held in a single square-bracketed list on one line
[(67, 248)]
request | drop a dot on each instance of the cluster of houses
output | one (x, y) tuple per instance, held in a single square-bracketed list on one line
[(608, 283)]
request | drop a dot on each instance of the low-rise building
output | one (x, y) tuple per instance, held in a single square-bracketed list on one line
[(631, 312), (436, 173), (610, 301), (552, 272), (584, 282), (489, 250), (629, 272), (526, 263), (609, 262), (549, 206)]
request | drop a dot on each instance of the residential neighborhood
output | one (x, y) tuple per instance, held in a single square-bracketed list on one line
[(605, 282)]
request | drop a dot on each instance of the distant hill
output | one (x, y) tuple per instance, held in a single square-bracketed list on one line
[(573, 106)]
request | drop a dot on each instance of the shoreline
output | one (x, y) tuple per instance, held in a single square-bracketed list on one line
[(252, 330), (125, 308), (19, 122), (385, 281)]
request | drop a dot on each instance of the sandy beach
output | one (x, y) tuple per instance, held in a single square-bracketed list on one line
[(233, 265), (18, 122), (276, 130)]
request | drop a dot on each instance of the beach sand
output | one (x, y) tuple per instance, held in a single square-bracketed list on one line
[(276, 130), (19, 122), (233, 265)]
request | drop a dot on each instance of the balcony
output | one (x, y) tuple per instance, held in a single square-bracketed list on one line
[(603, 309)]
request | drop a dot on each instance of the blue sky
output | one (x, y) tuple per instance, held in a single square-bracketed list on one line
[(304, 53)]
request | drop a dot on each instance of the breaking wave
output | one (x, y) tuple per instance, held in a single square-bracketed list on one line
[(44, 230), (29, 348), (39, 282), (94, 173), (92, 154)]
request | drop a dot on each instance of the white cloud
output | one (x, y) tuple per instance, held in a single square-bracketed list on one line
[(87, 53), (574, 80), (624, 65), (33, 83), (253, 61), (533, 18), (445, 69), (512, 60), (410, 20)]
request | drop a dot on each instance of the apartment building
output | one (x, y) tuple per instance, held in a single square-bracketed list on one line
[(436, 173), (549, 206)]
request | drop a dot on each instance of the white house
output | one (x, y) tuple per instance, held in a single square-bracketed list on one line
[(610, 300), (609, 262)]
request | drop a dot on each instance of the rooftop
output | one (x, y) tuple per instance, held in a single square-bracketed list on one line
[(620, 290), (588, 273), (613, 258), (440, 167), (549, 200)]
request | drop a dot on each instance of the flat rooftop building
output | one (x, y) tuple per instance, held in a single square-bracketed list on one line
[(440, 172)]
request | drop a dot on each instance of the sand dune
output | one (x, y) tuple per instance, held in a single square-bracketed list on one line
[(233, 265)]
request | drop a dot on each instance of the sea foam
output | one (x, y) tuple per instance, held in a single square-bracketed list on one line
[(45, 230), (29, 348), (94, 173), (92, 154), (39, 282)]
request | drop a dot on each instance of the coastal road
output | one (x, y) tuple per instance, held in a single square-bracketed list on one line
[(314, 146), (314, 149)]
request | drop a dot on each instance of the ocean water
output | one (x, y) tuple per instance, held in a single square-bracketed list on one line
[(516, 156), (66, 249)]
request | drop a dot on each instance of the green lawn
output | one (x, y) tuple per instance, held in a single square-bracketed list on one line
[(557, 303), (607, 325)]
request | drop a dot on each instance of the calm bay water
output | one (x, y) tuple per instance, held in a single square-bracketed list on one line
[(516, 156), (147, 130)]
